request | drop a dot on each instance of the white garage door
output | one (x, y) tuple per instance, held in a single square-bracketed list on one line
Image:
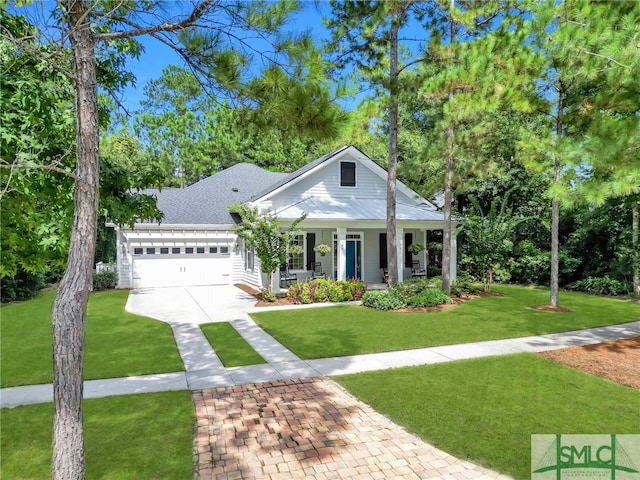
[(180, 270)]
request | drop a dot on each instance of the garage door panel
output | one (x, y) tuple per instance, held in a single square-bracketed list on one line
[(180, 271)]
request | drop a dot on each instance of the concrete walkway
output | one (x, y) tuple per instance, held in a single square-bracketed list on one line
[(315, 429)]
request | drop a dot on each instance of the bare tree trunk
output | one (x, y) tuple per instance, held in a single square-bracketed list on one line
[(448, 184), (555, 243), (635, 215), (555, 208), (392, 250), (69, 309), (448, 194)]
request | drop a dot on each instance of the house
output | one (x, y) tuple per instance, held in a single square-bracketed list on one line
[(342, 193)]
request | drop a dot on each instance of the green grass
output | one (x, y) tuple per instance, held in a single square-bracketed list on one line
[(352, 330), (229, 345), (118, 343), (133, 437), (485, 410)]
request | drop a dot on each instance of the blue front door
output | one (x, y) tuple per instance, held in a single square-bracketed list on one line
[(354, 255)]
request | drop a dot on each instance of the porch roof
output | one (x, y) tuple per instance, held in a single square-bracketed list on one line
[(363, 209)]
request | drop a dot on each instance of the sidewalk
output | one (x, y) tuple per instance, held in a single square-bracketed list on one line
[(204, 370)]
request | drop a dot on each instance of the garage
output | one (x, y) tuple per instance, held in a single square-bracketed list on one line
[(181, 266)]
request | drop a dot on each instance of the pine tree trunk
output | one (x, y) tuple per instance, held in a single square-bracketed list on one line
[(448, 194), (69, 309), (555, 227), (635, 213), (555, 207), (392, 250)]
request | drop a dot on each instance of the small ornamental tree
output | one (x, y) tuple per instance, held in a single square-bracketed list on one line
[(265, 235), (489, 238)]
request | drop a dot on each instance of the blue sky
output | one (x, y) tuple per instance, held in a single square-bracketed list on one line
[(158, 56)]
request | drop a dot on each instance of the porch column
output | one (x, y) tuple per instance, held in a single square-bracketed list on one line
[(454, 257), (342, 253), (119, 253), (400, 252), (425, 254)]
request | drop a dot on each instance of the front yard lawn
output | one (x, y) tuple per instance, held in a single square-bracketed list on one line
[(353, 330), (485, 410), (118, 343), (231, 348), (133, 437)]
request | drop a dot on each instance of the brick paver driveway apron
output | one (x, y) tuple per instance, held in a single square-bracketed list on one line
[(310, 429)]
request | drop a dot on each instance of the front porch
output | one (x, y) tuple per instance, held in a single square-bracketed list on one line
[(361, 253)]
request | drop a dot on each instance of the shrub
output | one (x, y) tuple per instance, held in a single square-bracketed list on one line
[(268, 296), (321, 290), (409, 288), (357, 288), (382, 300), (600, 286), (429, 297), (105, 280), (23, 286), (299, 293), (464, 284)]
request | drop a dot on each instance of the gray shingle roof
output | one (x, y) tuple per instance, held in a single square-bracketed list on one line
[(206, 202)]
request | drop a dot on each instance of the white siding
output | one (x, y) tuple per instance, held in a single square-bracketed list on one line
[(242, 274), (371, 267), (324, 183)]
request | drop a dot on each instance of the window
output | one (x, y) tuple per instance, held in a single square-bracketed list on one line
[(151, 251), (175, 250), (164, 250), (296, 260), (137, 251), (347, 174), (249, 260), (200, 250), (213, 249), (224, 250), (188, 250)]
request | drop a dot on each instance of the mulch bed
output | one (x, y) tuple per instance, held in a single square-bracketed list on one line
[(618, 361)]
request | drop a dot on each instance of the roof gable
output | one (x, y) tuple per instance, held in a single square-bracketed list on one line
[(314, 168)]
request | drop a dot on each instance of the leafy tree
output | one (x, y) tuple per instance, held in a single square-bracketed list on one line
[(367, 34), (588, 74), (266, 236), (188, 135), (475, 65), (96, 37), (186, 139), (489, 239), (36, 128)]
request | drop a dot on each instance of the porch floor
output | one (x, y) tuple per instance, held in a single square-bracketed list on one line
[(377, 286)]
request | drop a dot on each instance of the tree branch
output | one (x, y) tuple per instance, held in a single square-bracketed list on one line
[(34, 166), (197, 12), (582, 50)]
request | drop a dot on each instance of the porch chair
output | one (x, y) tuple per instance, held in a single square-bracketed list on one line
[(417, 271), (385, 275), (317, 271), (286, 277)]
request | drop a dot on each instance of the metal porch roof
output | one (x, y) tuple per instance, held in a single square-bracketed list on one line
[(362, 209)]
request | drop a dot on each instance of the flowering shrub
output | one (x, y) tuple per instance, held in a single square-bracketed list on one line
[(321, 290)]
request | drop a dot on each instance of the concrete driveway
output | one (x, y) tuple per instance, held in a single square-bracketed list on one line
[(191, 305)]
